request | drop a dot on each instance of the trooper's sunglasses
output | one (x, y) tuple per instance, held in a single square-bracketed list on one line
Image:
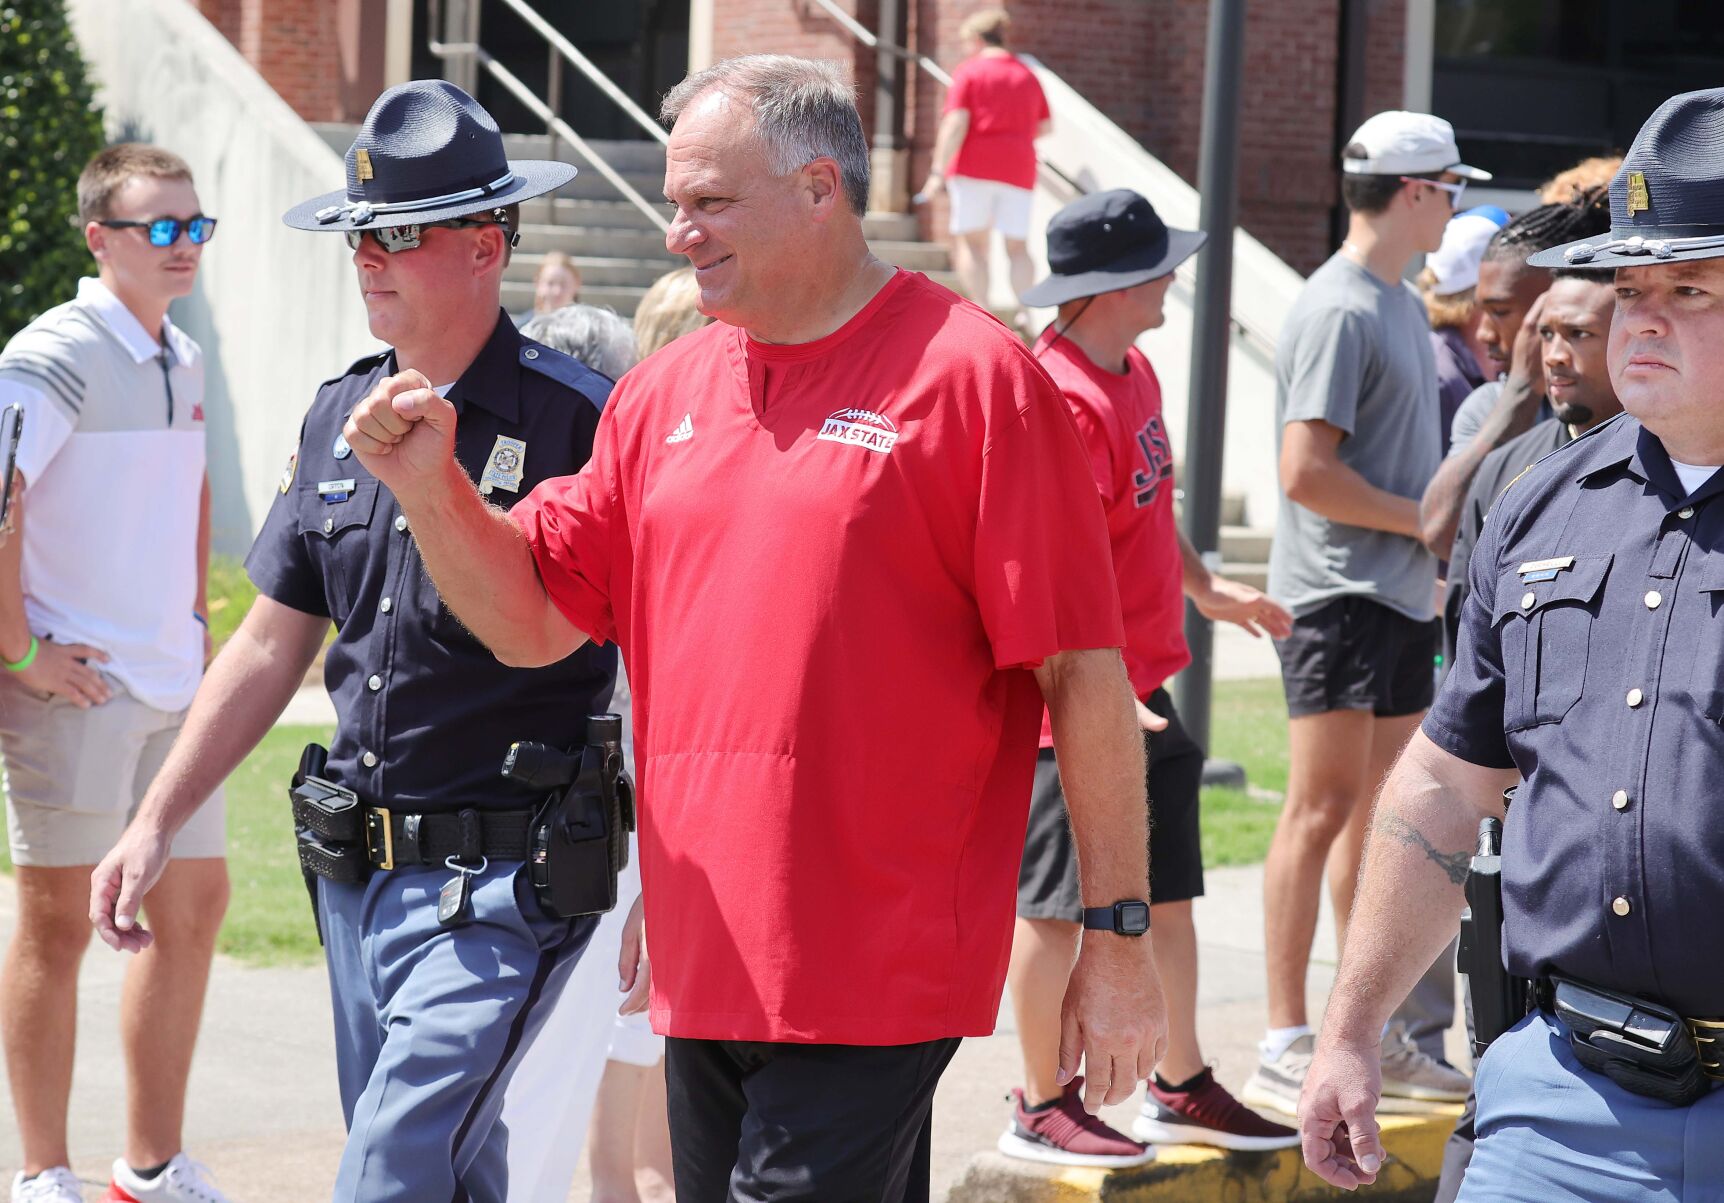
[(165, 231), (396, 239)]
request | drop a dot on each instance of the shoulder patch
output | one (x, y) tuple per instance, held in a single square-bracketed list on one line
[(567, 371)]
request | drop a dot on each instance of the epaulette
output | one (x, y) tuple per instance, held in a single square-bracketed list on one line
[(568, 371), (358, 367)]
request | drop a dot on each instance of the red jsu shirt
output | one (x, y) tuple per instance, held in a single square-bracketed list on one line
[(829, 589), (1119, 418), (1006, 104)]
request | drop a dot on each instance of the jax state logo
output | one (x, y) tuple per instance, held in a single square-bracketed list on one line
[(1158, 462), (860, 428)]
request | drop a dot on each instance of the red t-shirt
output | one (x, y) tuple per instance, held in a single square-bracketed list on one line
[(1006, 105), (829, 589), (1119, 418)]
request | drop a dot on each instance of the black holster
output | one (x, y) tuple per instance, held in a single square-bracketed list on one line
[(579, 839), (322, 812), (1641, 1046), (1499, 999)]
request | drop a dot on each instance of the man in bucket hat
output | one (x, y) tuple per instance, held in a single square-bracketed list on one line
[(433, 1003), (1590, 669), (1112, 261)]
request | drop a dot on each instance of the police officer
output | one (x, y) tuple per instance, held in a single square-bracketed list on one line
[(1590, 661), (432, 1005)]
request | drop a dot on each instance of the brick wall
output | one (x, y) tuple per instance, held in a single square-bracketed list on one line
[(295, 45)]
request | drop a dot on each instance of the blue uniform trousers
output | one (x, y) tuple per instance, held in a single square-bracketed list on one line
[(430, 1022), (1552, 1131)]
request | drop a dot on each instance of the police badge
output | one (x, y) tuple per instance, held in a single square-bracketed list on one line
[(505, 468)]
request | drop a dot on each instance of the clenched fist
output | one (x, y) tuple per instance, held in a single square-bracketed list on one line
[(404, 434)]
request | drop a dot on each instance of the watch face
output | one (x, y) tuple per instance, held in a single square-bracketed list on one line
[(1131, 918)]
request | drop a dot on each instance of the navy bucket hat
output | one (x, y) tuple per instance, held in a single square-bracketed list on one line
[(1107, 241), (427, 152), (1667, 201)]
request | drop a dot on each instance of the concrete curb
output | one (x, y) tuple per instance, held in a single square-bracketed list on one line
[(1194, 1174)]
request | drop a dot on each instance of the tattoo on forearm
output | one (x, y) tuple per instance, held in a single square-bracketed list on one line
[(1456, 864)]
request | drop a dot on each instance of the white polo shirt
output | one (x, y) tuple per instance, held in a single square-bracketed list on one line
[(113, 459)]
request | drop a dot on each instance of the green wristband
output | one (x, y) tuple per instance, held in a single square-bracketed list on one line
[(28, 660)]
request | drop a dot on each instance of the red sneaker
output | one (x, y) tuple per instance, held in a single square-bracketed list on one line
[(1066, 1134), (1207, 1115)]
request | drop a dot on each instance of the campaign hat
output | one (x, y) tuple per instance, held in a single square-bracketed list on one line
[(1667, 199), (1107, 241), (426, 152)]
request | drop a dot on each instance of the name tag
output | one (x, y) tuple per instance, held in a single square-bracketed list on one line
[(333, 491), (1534, 571)]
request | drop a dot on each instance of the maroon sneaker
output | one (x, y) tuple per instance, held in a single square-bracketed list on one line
[(1066, 1134), (1205, 1114)]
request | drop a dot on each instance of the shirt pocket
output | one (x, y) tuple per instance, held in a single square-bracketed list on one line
[(337, 534), (1544, 630), (1707, 683)]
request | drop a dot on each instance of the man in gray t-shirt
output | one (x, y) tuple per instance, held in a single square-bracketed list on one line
[(1360, 437)]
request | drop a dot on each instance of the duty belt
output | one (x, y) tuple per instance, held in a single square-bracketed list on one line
[(1640, 1045), (343, 839)]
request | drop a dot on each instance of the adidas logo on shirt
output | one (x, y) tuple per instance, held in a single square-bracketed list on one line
[(684, 431)]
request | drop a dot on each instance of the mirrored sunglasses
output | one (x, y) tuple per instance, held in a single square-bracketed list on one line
[(165, 231), (396, 239)]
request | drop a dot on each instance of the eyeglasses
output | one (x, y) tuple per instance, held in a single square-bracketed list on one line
[(165, 231), (1454, 190), (396, 239)]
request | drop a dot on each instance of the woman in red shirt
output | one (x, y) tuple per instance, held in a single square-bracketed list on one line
[(985, 154)]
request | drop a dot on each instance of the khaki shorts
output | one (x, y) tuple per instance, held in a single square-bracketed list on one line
[(74, 777)]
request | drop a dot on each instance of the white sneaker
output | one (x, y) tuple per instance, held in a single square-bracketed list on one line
[(57, 1185), (1275, 1085), (1414, 1080), (184, 1181)]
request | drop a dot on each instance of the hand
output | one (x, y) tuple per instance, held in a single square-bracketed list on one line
[(634, 969), (932, 187), (1337, 1113), (1113, 1018), (1526, 360), (62, 669), (1230, 601), (404, 433), (118, 886), (1149, 720)]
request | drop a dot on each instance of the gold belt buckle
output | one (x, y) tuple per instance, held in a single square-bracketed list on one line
[(1709, 1042), (380, 837)]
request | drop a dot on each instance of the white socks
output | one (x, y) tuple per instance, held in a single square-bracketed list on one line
[(1277, 1040)]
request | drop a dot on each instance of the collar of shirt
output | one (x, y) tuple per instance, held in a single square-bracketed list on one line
[(493, 380), (128, 329), (1632, 448)]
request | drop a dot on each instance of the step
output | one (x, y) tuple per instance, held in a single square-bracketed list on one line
[(518, 296), (1247, 544), (595, 269), (1246, 573), (1232, 509)]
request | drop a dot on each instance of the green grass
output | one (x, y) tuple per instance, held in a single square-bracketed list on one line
[(230, 594), (1248, 725)]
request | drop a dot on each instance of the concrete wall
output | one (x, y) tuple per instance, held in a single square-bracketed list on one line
[(1095, 152), (276, 310)]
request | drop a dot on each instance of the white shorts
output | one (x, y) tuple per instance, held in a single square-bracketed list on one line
[(74, 777), (989, 205), (633, 1042)]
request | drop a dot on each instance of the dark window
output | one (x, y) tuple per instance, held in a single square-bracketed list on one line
[(1532, 86)]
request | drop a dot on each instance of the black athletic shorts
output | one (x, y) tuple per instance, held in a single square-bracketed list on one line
[(1357, 654), (802, 1123), (1047, 880)]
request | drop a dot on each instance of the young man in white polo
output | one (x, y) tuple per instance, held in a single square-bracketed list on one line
[(103, 633)]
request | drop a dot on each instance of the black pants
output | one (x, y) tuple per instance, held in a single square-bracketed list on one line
[(802, 1123)]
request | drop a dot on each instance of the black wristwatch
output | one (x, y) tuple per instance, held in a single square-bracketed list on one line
[(1129, 918)]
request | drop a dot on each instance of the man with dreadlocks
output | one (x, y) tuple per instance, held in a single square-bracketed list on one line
[(1508, 296), (1356, 403)]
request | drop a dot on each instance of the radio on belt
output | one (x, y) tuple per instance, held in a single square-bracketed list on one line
[(579, 839)]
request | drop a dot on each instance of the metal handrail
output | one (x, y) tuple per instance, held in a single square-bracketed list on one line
[(524, 94)]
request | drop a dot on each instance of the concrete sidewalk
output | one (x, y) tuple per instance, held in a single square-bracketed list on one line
[(264, 1112)]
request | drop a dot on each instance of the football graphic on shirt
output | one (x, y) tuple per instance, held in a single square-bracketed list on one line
[(860, 428)]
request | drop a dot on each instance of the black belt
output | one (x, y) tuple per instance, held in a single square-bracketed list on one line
[(1640, 1045), (341, 826)]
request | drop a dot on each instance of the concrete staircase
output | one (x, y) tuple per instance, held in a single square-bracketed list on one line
[(1244, 549), (620, 253)]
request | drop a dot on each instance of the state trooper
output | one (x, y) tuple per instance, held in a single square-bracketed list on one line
[(1590, 662), (431, 1010)]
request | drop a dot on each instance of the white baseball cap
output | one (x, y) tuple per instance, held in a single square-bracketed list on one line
[(1455, 263), (1402, 143)]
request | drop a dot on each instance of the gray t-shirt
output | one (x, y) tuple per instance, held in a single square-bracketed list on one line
[(1470, 417), (1356, 353)]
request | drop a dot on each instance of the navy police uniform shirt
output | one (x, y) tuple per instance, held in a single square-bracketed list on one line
[(1591, 658), (425, 713)]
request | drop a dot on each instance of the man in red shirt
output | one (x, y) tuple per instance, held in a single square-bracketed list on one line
[(1112, 261), (848, 543), (985, 154)]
